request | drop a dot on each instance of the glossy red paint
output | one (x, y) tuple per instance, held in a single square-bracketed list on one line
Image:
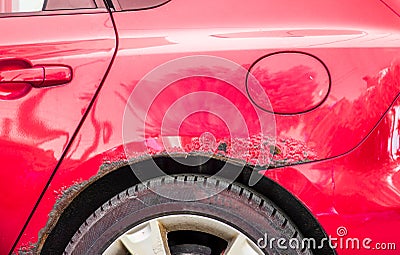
[(394, 5), (356, 182), (294, 82), (37, 76), (13, 90), (39, 123), (32, 75), (359, 190), (55, 75)]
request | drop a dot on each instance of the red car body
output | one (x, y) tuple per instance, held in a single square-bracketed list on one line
[(337, 138)]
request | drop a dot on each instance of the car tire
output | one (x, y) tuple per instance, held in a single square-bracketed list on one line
[(234, 221)]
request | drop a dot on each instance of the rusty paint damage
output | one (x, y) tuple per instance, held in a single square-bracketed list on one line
[(256, 152), (64, 197)]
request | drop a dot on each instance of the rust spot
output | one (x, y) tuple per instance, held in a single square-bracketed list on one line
[(222, 147), (28, 249), (274, 150)]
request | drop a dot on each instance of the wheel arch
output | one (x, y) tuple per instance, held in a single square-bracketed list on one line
[(116, 177)]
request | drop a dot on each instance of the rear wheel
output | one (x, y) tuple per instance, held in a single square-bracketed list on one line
[(236, 221)]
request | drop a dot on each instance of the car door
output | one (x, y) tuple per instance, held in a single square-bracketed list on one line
[(53, 57)]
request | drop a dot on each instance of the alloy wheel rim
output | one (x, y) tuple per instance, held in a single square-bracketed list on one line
[(151, 237)]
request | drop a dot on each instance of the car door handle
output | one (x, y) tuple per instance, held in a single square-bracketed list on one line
[(38, 76)]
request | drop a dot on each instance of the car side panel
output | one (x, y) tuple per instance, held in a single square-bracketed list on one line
[(358, 44)]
